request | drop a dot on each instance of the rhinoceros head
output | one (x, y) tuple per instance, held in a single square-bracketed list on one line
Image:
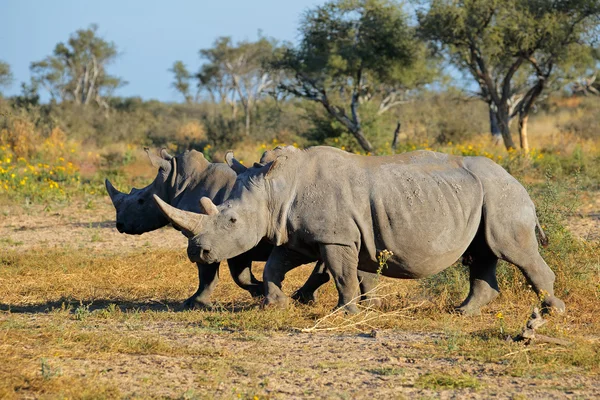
[(232, 228), (137, 213)]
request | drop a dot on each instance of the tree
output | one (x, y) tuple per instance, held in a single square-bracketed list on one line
[(499, 42), (6, 76), (182, 80), (77, 70), (354, 52), (235, 72)]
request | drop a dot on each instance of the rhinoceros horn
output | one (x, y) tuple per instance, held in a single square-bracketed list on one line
[(165, 154), (115, 196), (157, 162), (187, 222), (234, 164), (209, 206)]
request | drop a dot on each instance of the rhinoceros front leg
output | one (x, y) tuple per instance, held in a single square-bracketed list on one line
[(241, 272), (279, 263), (208, 276), (342, 262)]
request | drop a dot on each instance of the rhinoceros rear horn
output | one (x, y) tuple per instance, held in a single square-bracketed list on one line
[(165, 154), (157, 162), (234, 164), (208, 206), (188, 223), (115, 196)]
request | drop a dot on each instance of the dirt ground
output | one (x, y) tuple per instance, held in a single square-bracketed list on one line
[(144, 349)]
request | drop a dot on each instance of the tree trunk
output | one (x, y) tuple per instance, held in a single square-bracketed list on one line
[(247, 121), (504, 123), (396, 134), (523, 131), (494, 126)]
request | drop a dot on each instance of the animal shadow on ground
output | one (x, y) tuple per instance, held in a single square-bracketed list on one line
[(104, 225), (71, 304)]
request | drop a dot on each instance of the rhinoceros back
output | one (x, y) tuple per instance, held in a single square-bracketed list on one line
[(425, 207)]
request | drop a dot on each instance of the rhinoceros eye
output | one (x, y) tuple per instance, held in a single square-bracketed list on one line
[(140, 201)]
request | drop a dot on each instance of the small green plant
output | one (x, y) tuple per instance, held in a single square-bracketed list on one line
[(500, 319), (82, 312), (387, 371), (47, 371), (446, 381), (384, 256)]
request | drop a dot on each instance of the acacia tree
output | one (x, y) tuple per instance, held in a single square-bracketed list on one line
[(235, 72), (353, 52), (182, 80), (77, 70), (497, 41)]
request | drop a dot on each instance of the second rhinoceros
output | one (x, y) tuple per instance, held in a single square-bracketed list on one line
[(428, 209), (182, 181)]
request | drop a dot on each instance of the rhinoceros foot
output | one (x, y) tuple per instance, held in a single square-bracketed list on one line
[(193, 303), (275, 300), (349, 308), (304, 297), (468, 310), (553, 303), (371, 302)]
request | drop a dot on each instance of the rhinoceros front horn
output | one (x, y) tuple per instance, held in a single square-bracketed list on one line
[(115, 196), (187, 222)]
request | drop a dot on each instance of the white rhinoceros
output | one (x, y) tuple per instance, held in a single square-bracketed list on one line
[(429, 209), (181, 181)]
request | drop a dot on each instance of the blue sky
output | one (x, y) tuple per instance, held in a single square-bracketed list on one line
[(150, 34)]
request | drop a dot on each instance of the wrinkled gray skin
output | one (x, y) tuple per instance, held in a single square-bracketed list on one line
[(429, 209), (181, 181)]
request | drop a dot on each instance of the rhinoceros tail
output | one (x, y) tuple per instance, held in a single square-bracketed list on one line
[(542, 236)]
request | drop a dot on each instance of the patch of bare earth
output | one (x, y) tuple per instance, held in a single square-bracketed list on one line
[(232, 364), (77, 225)]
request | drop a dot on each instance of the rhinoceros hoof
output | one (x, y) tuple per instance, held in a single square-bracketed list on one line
[(275, 301), (372, 303), (304, 297), (194, 304), (552, 303), (468, 311), (257, 292), (349, 309)]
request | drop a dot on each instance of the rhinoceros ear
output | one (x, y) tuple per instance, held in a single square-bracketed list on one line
[(165, 155), (275, 165), (234, 164), (115, 196), (157, 162), (188, 223), (208, 206)]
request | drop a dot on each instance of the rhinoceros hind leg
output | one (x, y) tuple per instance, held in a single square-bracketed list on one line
[(368, 283), (342, 262), (519, 246), (208, 276), (482, 277), (318, 277)]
